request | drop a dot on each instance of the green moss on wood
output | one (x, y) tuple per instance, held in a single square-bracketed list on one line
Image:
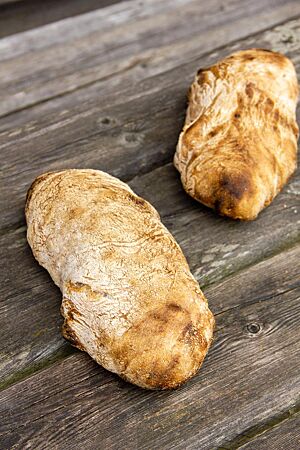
[(65, 351)]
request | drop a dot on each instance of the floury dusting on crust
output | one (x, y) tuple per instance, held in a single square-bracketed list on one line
[(129, 299)]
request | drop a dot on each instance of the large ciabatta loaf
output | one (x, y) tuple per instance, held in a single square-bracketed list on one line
[(239, 143), (129, 299)]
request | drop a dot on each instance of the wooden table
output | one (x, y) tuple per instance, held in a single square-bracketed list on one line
[(107, 90)]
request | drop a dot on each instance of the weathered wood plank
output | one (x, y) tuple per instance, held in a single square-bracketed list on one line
[(256, 355), (29, 312), (130, 132), (214, 247), (19, 16), (69, 54), (286, 435)]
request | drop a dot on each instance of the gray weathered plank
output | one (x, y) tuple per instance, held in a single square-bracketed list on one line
[(69, 54), (214, 247), (17, 16), (243, 382), (142, 122), (284, 436)]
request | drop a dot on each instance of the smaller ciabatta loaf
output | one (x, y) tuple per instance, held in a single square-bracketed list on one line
[(129, 298), (238, 146)]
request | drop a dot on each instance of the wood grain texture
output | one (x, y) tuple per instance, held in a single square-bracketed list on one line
[(285, 435), (19, 16), (244, 380), (63, 56), (141, 119)]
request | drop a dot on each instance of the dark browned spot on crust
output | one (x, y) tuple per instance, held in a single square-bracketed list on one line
[(295, 129), (174, 307), (75, 213), (137, 200), (269, 105), (143, 362), (70, 335), (275, 166), (276, 114), (283, 120), (77, 286), (71, 314), (172, 364), (71, 309), (188, 333), (165, 379), (276, 58), (250, 89), (158, 315), (216, 130), (248, 58), (157, 381), (33, 186), (235, 185), (237, 115), (85, 288), (202, 76)]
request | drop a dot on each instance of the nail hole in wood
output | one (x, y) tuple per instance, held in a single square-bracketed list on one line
[(253, 328)]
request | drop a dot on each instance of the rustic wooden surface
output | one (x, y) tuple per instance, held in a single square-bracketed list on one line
[(106, 90)]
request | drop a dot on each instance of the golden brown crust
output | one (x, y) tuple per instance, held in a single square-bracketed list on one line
[(239, 143), (129, 299)]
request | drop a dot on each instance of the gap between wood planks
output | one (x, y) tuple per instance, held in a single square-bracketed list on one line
[(278, 434), (251, 436), (249, 370)]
